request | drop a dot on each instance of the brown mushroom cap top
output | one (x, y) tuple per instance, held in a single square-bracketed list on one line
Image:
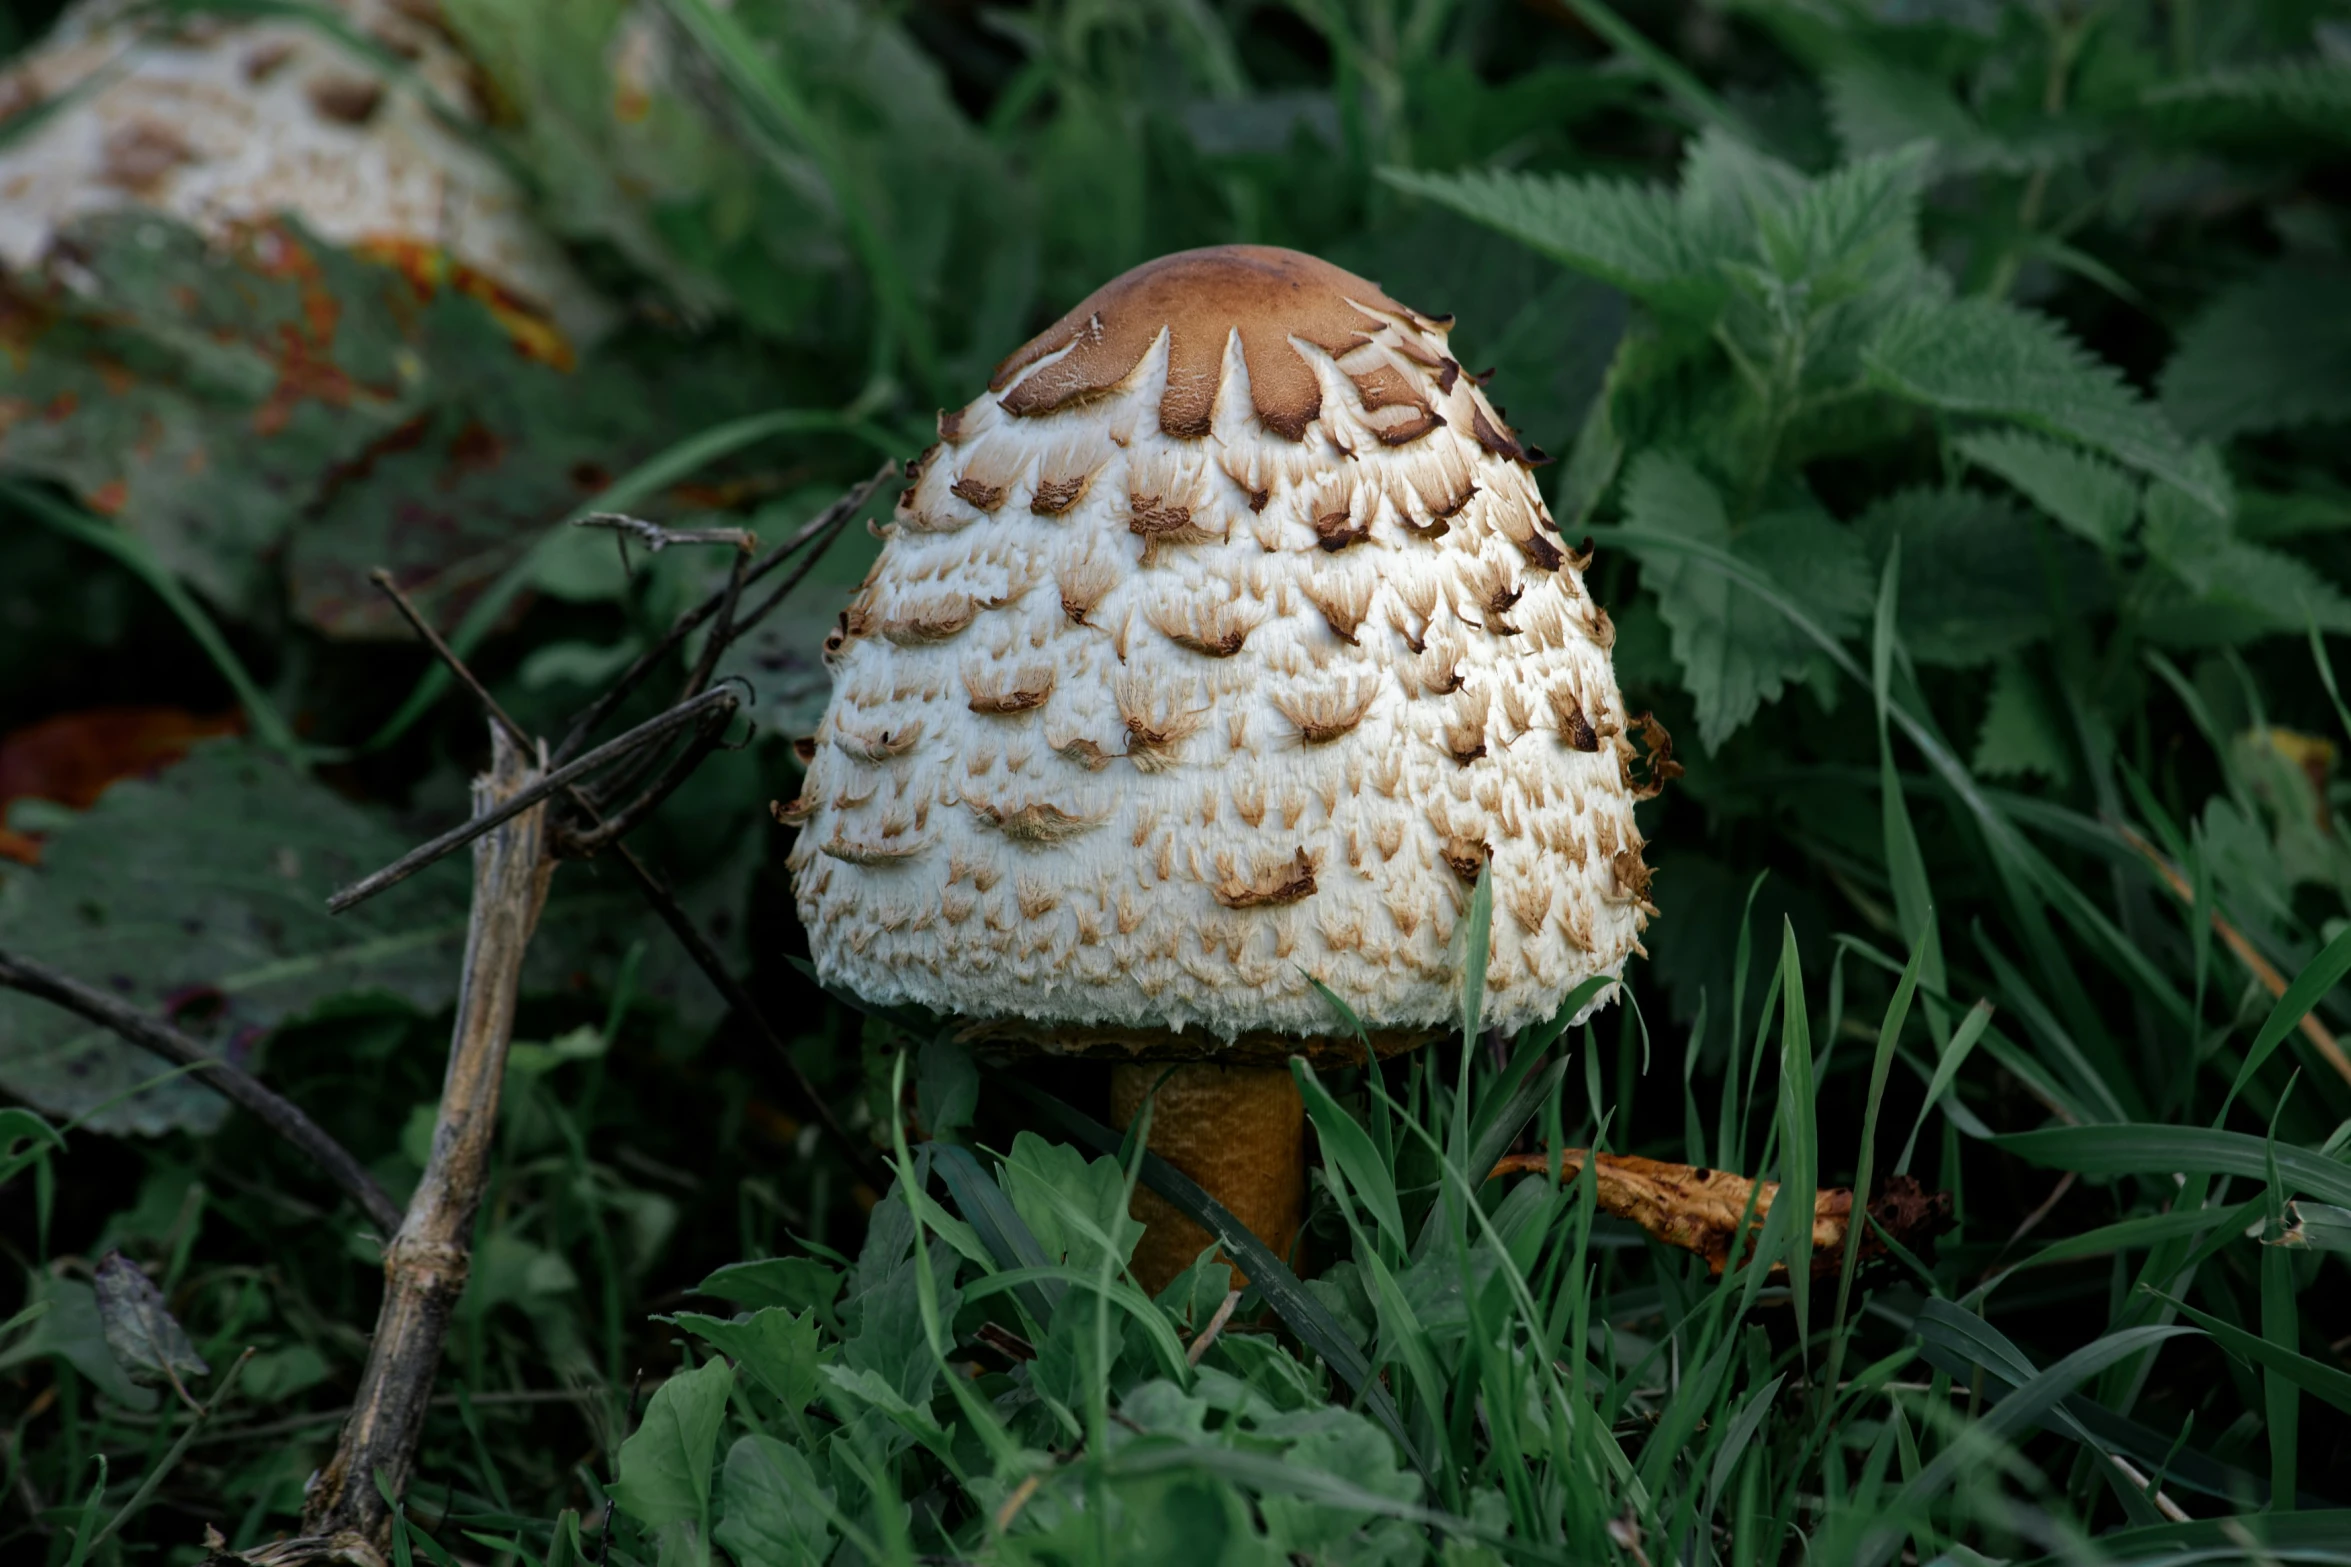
[(1200, 297)]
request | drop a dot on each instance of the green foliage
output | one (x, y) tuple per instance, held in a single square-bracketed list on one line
[(1957, 394)]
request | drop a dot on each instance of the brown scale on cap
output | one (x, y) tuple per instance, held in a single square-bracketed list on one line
[(1201, 296)]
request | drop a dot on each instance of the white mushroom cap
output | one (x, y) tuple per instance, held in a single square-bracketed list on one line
[(221, 122), (1215, 649)]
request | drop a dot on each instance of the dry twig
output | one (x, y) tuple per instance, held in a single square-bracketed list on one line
[(526, 796), (231, 1082), (426, 1265), (819, 531), (2260, 967)]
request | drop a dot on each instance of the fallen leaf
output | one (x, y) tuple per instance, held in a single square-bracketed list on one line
[(146, 1340), (1698, 1209), (73, 757)]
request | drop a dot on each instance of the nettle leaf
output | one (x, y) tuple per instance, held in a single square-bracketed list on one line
[(2223, 589), (1737, 652), (200, 896), (2093, 499), (1851, 229), (1980, 576), (665, 1464), (1632, 236), (2290, 101), (1990, 359), (2021, 732), (2270, 353), (1727, 188), (1878, 106), (773, 1509), (145, 1339)]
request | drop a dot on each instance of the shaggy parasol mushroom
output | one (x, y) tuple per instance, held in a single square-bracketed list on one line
[(224, 122), (1212, 653)]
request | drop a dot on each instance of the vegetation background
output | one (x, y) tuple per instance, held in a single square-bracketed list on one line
[(1957, 392)]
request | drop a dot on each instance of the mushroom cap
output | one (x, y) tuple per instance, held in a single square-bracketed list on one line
[(1212, 653), (220, 122)]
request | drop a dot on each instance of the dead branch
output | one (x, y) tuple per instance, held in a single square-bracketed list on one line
[(657, 538), (819, 531), (599, 834), (425, 1267), (1698, 1209), (527, 796), (2320, 1037), (231, 1082)]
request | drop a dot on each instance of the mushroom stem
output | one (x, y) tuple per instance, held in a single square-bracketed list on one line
[(1240, 1131)]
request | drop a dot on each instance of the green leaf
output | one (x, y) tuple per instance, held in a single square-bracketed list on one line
[(1067, 1200), (2227, 590), (776, 1347), (2238, 1536), (2270, 353), (2156, 1151), (2311, 986), (1632, 236), (2021, 734), (773, 1512), (1977, 573), (1735, 651), (2008, 1419), (1989, 359), (69, 1327), (146, 1340), (1879, 106), (1346, 1144), (2313, 1377), (2091, 498), (794, 1283), (1852, 229), (665, 1465), (2286, 101), (200, 895)]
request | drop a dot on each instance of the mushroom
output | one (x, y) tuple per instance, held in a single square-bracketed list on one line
[(226, 122), (1262, 649)]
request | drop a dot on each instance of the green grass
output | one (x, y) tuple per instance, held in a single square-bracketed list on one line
[(1955, 396)]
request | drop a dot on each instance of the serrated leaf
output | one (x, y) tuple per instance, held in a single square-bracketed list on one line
[(1976, 581), (1631, 236), (1989, 359), (2226, 590), (2090, 497), (2020, 733), (1852, 228), (1737, 653), (665, 1465), (145, 1339), (1878, 106), (2270, 353), (2283, 100)]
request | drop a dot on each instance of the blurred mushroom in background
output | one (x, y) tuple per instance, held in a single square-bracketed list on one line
[(356, 123)]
